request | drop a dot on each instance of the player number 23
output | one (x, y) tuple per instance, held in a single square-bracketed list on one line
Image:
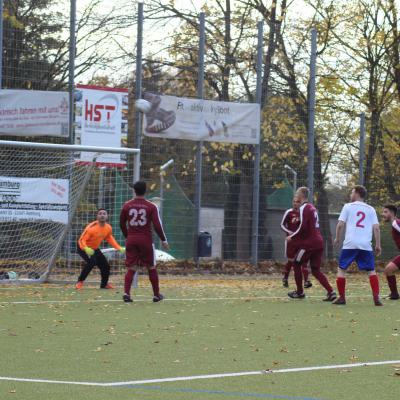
[(139, 218)]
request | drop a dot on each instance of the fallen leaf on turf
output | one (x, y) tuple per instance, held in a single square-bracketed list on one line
[(13, 391), (98, 349)]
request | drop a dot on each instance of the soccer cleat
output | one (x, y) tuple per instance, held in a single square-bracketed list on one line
[(393, 296), (307, 284), (330, 297), (295, 295), (79, 285), (378, 303), (340, 301), (108, 286), (158, 298), (285, 283), (127, 299)]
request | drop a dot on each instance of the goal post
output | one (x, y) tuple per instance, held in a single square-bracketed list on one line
[(43, 189)]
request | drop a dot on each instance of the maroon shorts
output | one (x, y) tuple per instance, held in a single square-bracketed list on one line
[(140, 253), (396, 261), (312, 256)]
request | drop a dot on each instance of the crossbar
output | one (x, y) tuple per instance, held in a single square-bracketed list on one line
[(67, 147)]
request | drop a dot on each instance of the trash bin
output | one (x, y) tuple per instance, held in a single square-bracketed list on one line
[(204, 244)]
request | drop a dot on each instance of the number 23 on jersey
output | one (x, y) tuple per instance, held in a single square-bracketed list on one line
[(138, 217)]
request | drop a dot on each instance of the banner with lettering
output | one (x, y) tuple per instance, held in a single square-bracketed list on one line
[(34, 113), (101, 119), (193, 119)]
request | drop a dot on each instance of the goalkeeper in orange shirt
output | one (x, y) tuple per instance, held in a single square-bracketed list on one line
[(88, 249)]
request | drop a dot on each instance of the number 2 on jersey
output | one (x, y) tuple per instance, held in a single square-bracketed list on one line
[(359, 224), (139, 218)]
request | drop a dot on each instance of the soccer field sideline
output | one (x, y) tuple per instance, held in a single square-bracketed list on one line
[(208, 376)]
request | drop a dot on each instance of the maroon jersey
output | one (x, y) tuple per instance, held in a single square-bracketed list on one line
[(137, 216), (290, 221), (396, 232), (308, 236)]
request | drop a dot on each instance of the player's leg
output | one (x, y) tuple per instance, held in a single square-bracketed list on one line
[(366, 262), (306, 274), (300, 258), (148, 255), (290, 253), (104, 268), (390, 271), (131, 263), (315, 258), (347, 256), (90, 262), (286, 271)]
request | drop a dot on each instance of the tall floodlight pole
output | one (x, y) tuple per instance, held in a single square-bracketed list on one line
[(311, 114), (1, 43), (71, 71), (139, 61), (362, 149), (199, 154), (257, 155)]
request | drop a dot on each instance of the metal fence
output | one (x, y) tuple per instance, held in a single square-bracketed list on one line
[(238, 193)]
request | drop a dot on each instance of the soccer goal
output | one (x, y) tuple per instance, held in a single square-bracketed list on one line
[(48, 192)]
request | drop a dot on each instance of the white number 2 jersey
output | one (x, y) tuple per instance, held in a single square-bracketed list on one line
[(360, 219)]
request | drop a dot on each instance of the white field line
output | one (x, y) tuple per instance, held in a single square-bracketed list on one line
[(173, 299), (209, 376)]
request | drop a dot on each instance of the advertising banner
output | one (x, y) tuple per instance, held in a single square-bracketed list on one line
[(33, 113), (32, 199), (193, 119), (101, 119)]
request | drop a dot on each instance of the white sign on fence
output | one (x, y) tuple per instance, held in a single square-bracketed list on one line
[(32, 199), (34, 113), (193, 119), (101, 119)]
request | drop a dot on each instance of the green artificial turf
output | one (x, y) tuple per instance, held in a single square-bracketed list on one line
[(223, 326)]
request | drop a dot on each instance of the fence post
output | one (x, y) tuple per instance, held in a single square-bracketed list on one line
[(257, 155), (138, 88), (1, 43), (71, 71), (199, 154), (311, 114), (362, 149)]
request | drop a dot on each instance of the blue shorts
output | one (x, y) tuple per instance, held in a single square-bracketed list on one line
[(364, 258)]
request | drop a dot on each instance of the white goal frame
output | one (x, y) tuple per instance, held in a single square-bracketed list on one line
[(97, 150)]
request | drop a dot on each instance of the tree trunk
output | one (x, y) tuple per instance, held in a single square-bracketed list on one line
[(372, 146)]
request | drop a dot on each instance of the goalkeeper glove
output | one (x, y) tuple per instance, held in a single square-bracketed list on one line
[(89, 251), (122, 250)]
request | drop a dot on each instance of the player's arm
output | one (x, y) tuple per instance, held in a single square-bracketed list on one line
[(157, 224), (122, 222), (111, 240), (339, 232), (377, 236), (284, 223), (82, 242), (396, 225), (340, 227), (303, 227)]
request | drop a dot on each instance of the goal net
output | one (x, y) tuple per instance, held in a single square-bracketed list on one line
[(47, 196)]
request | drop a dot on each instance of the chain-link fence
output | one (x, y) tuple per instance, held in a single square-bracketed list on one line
[(170, 64)]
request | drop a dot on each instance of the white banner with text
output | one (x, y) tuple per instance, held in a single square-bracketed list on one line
[(193, 119), (34, 113), (32, 199)]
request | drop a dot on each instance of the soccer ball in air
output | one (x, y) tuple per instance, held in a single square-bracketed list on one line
[(143, 105)]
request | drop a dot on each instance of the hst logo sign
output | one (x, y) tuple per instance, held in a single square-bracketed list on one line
[(102, 111)]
